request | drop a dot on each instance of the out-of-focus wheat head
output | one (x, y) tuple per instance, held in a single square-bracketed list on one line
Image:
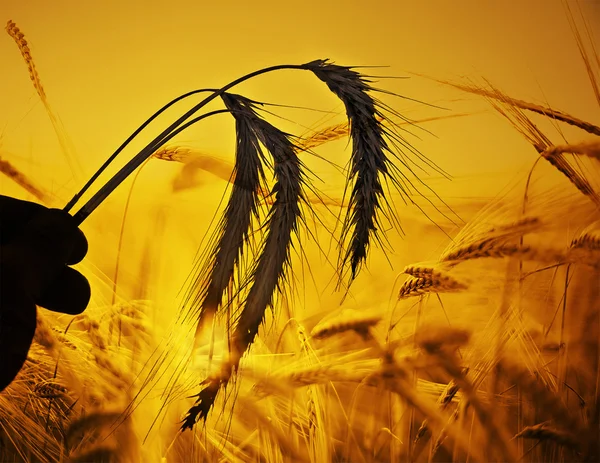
[(19, 38), (65, 144)]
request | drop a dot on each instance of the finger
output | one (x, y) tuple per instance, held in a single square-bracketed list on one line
[(80, 248), (14, 214), (55, 233), (64, 224), (17, 328), (69, 293), (46, 243)]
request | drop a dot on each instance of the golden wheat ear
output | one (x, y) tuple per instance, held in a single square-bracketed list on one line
[(19, 38), (24, 181), (495, 94)]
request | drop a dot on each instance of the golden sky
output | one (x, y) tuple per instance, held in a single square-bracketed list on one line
[(107, 65)]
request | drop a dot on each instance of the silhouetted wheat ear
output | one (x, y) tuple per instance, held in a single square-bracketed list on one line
[(369, 162), (272, 266), (234, 227)]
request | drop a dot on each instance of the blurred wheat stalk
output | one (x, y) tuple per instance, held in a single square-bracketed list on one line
[(362, 386)]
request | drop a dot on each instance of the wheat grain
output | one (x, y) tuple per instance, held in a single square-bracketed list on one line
[(443, 435), (419, 271), (63, 338), (304, 377), (541, 143), (485, 248), (534, 135), (49, 389), (580, 182), (430, 283), (331, 133), (92, 327), (174, 153), (472, 239), (212, 282)]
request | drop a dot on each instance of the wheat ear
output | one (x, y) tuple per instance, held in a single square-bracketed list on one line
[(589, 148), (272, 267), (434, 282), (371, 161), (234, 227), (23, 181), (538, 109), (19, 38), (544, 431)]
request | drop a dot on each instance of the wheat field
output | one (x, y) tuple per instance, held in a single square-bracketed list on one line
[(315, 289)]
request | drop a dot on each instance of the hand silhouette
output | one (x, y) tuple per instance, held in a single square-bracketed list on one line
[(37, 245)]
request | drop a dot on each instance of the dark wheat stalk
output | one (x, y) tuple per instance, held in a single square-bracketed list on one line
[(369, 163), (248, 177), (273, 263)]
